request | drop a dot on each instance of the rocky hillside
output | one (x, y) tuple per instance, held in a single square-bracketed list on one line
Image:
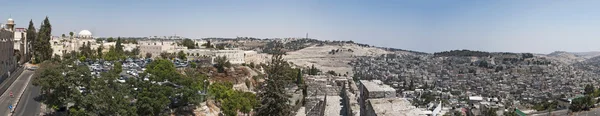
[(587, 55), (571, 57), (564, 57), (333, 57)]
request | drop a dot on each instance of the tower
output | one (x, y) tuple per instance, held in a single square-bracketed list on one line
[(10, 25)]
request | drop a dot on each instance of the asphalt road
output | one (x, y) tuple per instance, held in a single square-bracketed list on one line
[(591, 112), (28, 106), (16, 87), (563, 112)]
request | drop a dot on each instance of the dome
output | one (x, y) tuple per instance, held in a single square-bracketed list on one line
[(11, 21), (85, 33)]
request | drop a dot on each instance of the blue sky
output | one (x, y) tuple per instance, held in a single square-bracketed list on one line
[(539, 26)]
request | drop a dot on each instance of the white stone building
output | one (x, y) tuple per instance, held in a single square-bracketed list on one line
[(20, 39), (234, 56)]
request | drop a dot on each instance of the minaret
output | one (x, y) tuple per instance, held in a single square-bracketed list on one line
[(10, 25), (306, 35)]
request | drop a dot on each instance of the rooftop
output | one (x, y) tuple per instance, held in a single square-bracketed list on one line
[(376, 85), (394, 107)]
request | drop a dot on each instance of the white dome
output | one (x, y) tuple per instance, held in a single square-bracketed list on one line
[(85, 33), (11, 21)]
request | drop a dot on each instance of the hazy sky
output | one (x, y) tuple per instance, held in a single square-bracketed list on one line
[(539, 26)]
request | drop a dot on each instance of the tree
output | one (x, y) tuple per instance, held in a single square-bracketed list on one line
[(31, 40), (181, 55), (273, 99), (208, 44), (222, 63), (193, 64), (251, 64), (527, 55), (220, 46), (71, 33), (581, 103), (59, 82), (86, 50), (588, 89), (42, 43), (135, 52), (153, 99), (99, 51), (313, 70), (188, 43), (118, 68), (510, 113), (110, 39), (232, 100), (113, 54), (118, 46), (148, 55), (63, 36), (490, 112), (404, 84), (299, 79), (164, 55), (411, 86)]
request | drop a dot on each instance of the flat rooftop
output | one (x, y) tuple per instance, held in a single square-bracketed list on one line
[(394, 107), (376, 85)]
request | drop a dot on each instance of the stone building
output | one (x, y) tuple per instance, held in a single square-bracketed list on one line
[(8, 62), (373, 89), (391, 107)]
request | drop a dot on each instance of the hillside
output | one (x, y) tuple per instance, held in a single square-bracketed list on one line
[(332, 57)]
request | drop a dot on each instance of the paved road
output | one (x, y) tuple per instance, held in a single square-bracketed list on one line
[(28, 106), (592, 112), (563, 112), (16, 87)]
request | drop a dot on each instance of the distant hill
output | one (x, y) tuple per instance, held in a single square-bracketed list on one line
[(564, 57), (573, 57), (587, 55)]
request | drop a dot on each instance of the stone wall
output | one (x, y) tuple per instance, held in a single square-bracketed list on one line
[(7, 60)]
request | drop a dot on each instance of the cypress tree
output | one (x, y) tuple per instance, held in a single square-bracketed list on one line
[(42, 47), (118, 46), (31, 36), (299, 78), (99, 50)]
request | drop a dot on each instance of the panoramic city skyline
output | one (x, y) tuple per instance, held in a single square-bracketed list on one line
[(428, 26)]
